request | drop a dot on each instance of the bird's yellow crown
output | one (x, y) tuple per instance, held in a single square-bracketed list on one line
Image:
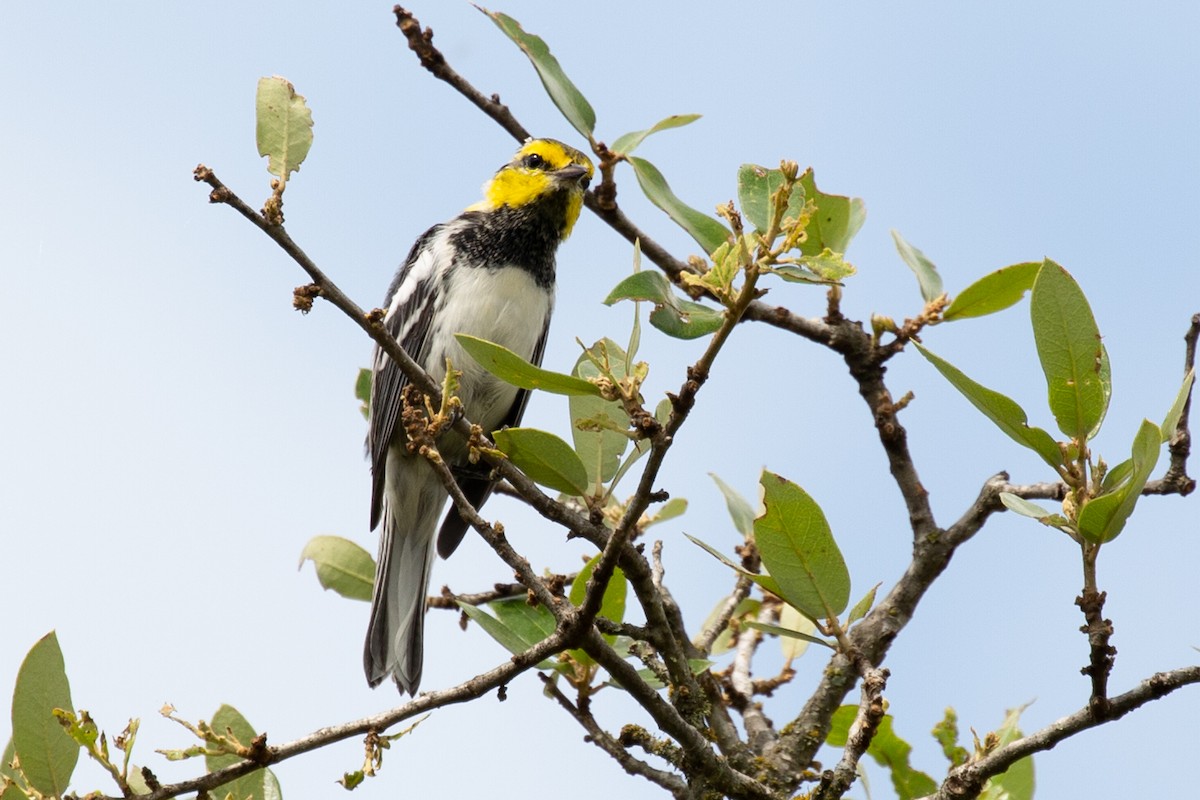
[(539, 170)]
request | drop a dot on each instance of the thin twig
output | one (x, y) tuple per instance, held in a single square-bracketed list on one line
[(760, 733), (741, 590), (602, 739)]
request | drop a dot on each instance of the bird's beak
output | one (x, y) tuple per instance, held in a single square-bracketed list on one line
[(572, 172)]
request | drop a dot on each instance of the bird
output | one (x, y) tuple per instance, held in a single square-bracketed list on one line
[(489, 273)]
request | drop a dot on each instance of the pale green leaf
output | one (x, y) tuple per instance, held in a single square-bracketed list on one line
[(362, 391), (861, 608), (827, 265), (748, 608), (779, 630), (1017, 783), (673, 508), (836, 222), (1171, 422), (739, 508), (756, 186), (1020, 505), (627, 143), (599, 447), (927, 274), (342, 566), (284, 126), (260, 784)]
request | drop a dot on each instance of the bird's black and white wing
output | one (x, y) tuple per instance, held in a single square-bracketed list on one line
[(477, 487), (410, 306)]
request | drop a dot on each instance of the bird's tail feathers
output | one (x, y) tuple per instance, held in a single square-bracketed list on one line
[(395, 636)]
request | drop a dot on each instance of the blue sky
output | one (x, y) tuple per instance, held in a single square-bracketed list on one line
[(174, 432)]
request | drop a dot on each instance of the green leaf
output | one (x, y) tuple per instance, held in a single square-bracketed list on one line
[(672, 315), (628, 142), (1068, 345), (756, 186), (739, 508), (1116, 476), (648, 285), (362, 391), (687, 320), (511, 368), (341, 565), (1017, 783), (1172, 419), (1019, 505), (922, 267), (946, 734), (47, 754), (495, 628), (545, 458), (613, 604), (569, 100), (673, 508), (517, 625), (600, 449), (837, 219), (1104, 517), (697, 665), (798, 550), (861, 608), (793, 647), (1000, 409), (778, 630), (994, 292), (794, 274), (888, 750), (260, 784), (709, 233), (765, 581), (12, 792), (827, 265), (747, 609), (284, 126)]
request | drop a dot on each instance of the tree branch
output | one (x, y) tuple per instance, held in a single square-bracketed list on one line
[(468, 690), (871, 709), (967, 781)]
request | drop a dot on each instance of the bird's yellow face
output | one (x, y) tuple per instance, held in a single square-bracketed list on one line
[(541, 170)]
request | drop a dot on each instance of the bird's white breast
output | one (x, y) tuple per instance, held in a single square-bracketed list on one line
[(506, 306)]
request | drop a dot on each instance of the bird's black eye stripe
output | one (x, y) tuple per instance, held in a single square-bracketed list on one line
[(534, 161)]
